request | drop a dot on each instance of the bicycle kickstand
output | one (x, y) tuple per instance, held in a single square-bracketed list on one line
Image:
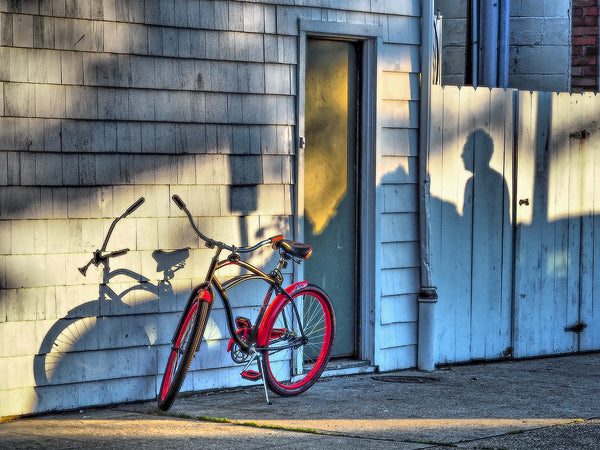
[(254, 376), (261, 366)]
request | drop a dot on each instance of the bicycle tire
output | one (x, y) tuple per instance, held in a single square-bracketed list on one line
[(65, 339), (181, 355), (319, 327)]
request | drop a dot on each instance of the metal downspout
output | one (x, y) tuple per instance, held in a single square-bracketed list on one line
[(474, 43), (428, 295), (503, 44), (489, 44)]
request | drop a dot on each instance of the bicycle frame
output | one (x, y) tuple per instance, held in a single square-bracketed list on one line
[(279, 327), (204, 292), (274, 279)]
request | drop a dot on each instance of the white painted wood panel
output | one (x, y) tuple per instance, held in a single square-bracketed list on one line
[(553, 171), (392, 358), (471, 221), (562, 226)]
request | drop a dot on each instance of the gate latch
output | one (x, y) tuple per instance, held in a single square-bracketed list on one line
[(577, 328)]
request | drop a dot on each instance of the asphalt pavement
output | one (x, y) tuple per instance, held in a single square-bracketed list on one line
[(549, 403)]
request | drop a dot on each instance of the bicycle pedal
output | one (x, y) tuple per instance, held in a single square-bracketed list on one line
[(252, 375), (242, 322)]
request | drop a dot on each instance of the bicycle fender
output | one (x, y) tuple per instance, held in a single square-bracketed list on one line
[(263, 330), (203, 292)]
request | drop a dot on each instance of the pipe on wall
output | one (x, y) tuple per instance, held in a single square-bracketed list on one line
[(490, 42), (473, 52), (426, 329), (503, 43), (488, 39)]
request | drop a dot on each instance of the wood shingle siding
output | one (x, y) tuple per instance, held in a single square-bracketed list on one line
[(104, 102)]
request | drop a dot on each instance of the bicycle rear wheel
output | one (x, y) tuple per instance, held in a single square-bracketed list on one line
[(182, 352), (293, 363)]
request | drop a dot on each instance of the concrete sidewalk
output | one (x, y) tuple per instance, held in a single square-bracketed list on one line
[(542, 403)]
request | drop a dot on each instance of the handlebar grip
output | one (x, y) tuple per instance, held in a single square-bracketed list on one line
[(83, 270), (135, 206), (178, 201)]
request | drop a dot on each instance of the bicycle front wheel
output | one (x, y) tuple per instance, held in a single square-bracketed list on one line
[(182, 352), (301, 333)]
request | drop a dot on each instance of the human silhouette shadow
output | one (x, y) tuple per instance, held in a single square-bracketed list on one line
[(472, 251), (486, 187)]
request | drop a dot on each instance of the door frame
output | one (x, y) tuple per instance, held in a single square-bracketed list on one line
[(369, 38)]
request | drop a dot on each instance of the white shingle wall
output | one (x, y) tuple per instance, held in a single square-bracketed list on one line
[(398, 200), (104, 102)]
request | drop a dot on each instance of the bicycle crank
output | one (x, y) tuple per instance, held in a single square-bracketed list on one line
[(237, 355)]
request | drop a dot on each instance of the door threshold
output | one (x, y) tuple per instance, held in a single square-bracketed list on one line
[(348, 367)]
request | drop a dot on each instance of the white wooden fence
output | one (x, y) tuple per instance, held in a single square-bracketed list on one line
[(515, 222)]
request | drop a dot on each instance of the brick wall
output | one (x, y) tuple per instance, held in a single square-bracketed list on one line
[(584, 62)]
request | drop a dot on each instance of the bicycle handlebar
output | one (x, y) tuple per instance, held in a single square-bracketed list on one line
[(211, 243), (178, 201), (98, 256), (129, 210), (133, 207), (117, 253)]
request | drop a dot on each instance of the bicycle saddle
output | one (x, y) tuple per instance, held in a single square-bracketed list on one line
[(297, 249), (168, 260)]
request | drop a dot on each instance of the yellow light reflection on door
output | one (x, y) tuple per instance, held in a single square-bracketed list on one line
[(326, 171)]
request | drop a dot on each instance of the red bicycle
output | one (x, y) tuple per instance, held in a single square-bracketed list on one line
[(290, 340)]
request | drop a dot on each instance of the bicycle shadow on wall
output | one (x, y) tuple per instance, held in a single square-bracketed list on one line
[(112, 337)]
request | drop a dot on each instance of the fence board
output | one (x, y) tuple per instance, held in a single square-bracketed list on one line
[(572, 104), (590, 255), (564, 289), (447, 199), (490, 329), (546, 192), (508, 152), (471, 221), (477, 144)]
